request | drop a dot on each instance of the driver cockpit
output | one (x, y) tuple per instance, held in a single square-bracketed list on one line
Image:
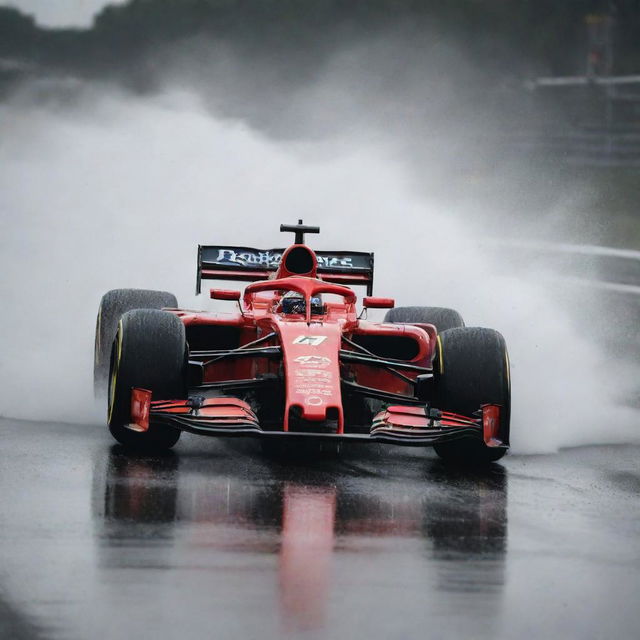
[(294, 303)]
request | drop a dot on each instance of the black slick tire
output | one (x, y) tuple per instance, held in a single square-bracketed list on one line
[(113, 304), (149, 352), (472, 369), (441, 317)]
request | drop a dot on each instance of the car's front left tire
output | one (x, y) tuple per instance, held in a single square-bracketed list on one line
[(472, 369)]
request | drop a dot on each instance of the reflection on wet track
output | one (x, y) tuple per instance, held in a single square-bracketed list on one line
[(216, 540), (309, 517)]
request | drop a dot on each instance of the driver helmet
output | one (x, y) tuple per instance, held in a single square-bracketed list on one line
[(294, 303)]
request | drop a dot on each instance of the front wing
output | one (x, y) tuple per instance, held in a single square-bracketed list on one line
[(401, 425)]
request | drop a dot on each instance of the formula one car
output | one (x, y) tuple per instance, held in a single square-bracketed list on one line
[(297, 362)]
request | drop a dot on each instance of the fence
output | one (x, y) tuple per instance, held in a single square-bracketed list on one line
[(586, 121)]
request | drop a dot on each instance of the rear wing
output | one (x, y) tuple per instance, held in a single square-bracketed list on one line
[(247, 264)]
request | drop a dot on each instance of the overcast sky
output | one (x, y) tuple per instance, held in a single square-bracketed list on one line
[(61, 13)]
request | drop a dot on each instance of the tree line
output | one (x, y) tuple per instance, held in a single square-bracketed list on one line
[(541, 36)]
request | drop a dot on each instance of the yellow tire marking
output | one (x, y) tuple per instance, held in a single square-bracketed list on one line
[(440, 358), (98, 345), (508, 364), (114, 372)]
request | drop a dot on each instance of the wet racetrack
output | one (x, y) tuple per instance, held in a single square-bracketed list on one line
[(218, 541)]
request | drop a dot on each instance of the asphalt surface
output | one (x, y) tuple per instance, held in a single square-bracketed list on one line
[(218, 541)]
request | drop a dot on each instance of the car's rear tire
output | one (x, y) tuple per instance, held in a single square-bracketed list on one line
[(472, 369), (441, 317), (113, 304), (149, 352)]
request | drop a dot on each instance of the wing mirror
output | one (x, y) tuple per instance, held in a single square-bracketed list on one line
[(224, 294), (378, 303)]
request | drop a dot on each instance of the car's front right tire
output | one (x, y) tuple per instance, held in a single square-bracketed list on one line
[(149, 352)]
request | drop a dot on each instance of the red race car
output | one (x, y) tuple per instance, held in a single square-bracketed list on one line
[(297, 361)]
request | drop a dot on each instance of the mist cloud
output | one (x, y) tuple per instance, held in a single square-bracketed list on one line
[(115, 190)]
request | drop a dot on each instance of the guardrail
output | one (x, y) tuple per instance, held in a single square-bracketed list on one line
[(590, 120), (584, 148)]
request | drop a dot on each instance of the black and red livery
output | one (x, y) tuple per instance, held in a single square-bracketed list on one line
[(316, 370)]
